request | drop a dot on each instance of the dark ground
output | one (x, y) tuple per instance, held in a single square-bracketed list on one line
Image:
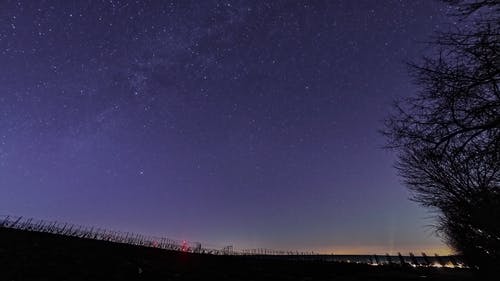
[(41, 256)]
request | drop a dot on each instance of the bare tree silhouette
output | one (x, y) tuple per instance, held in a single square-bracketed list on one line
[(447, 137)]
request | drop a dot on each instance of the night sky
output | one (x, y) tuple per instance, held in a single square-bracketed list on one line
[(246, 123)]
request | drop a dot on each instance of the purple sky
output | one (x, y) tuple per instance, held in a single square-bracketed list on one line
[(242, 122)]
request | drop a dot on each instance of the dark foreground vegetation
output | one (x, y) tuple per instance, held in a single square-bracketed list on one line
[(447, 136), (28, 255)]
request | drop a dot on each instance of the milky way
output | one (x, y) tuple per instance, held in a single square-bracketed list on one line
[(252, 123)]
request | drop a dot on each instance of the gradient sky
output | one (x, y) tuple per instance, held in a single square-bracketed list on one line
[(242, 122)]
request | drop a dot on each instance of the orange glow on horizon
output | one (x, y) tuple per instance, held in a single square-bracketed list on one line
[(381, 250)]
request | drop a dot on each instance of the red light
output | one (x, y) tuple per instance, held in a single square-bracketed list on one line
[(184, 247)]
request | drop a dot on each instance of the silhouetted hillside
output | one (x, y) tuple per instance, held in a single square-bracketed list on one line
[(41, 256)]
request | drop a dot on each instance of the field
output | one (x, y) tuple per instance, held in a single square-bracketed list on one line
[(42, 256)]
